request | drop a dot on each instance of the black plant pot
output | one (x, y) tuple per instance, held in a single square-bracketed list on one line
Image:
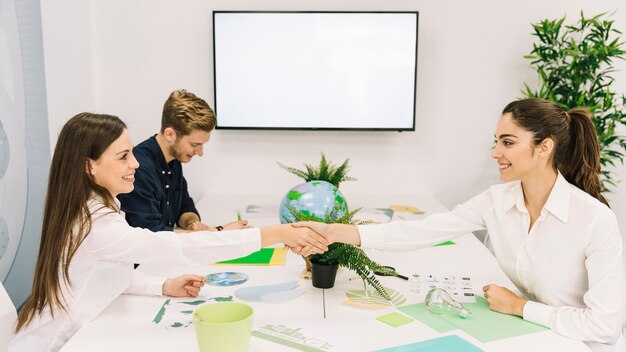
[(323, 275)]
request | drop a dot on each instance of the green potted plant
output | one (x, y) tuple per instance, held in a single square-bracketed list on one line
[(319, 194), (326, 171), (574, 64), (324, 266)]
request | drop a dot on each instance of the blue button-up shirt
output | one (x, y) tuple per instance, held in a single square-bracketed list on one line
[(160, 196)]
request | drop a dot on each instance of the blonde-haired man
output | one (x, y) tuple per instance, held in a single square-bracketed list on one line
[(160, 200)]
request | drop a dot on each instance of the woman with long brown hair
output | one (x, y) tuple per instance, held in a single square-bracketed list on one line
[(549, 226), (87, 248)]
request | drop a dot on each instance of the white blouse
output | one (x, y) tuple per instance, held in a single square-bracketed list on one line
[(569, 265), (102, 269)]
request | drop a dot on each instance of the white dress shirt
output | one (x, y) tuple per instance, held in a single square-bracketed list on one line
[(102, 269), (569, 265)]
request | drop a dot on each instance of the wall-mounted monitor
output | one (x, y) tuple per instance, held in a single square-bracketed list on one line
[(315, 70)]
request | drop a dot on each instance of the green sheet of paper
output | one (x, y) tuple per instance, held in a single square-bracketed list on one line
[(260, 257), (419, 312), (483, 324), (452, 343), (395, 319), (266, 256), (446, 243)]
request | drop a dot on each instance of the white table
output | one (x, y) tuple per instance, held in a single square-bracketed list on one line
[(126, 325)]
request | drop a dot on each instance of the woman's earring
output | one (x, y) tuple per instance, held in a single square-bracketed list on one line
[(89, 168)]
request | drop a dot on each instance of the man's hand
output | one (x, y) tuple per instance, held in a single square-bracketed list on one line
[(236, 225), (502, 300), (183, 286), (190, 221), (198, 226)]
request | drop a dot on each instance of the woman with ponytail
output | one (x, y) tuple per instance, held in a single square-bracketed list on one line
[(549, 226)]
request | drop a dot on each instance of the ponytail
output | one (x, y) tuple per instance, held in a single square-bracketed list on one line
[(581, 163), (577, 154)]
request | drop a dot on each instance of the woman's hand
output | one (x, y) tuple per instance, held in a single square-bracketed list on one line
[(502, 300), (304, 238), (303, 251), (333, 232), (310, 241), (307, 240), (297, 250), (183, 286)]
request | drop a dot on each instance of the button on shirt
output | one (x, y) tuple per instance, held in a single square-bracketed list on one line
[(160, 196), (569, 265)]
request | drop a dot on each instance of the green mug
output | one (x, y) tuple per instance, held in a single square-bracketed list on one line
[(224, 326)]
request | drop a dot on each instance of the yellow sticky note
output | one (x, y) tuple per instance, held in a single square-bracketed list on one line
[(394, 319), (404, 208)]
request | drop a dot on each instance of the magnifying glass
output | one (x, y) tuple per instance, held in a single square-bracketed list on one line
[(389, 271)]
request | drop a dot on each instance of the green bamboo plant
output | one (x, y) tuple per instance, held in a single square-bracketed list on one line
[(575, 65), (326, 171), (346, 255)]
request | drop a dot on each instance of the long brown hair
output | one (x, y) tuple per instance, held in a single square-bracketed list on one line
[(577, 154), (67, 220)]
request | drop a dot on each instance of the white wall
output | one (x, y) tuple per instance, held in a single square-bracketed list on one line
[(470, 66), (68, 41)]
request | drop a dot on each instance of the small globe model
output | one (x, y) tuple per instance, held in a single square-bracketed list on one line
[(314, 198)]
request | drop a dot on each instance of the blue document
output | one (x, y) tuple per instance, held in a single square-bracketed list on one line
[(451, 343)]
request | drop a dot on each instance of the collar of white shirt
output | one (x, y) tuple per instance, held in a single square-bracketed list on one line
[(558, 201)]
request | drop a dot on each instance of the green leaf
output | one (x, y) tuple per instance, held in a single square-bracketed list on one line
[(345, 255), (294, 171), (574, 65), (353, 258), (325, 171)]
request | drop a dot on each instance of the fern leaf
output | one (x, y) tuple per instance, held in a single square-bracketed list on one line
[(348, 178), (337, 176), (312, 173), (355, 259), (294, 171), (301, 216), (323, 169)]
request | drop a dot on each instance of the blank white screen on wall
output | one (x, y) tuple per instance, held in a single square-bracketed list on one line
[(321, 70)]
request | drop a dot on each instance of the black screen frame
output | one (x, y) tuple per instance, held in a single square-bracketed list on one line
[(407, 129)]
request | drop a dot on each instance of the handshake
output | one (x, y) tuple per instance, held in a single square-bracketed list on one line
[(309, 237)]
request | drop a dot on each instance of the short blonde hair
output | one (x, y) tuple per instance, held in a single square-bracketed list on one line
[(184, 112)]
